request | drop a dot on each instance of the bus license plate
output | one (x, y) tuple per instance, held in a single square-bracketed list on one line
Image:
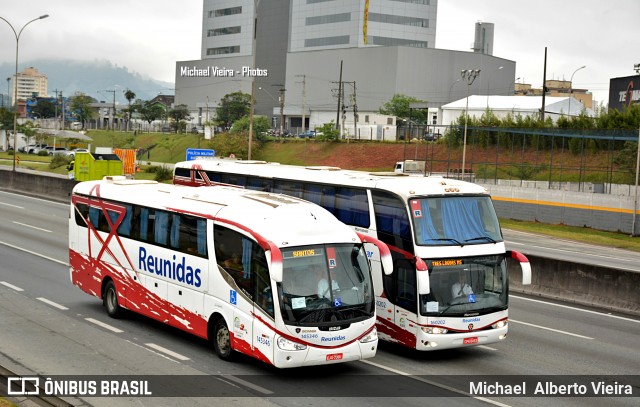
[(334, 356), (470, 341)]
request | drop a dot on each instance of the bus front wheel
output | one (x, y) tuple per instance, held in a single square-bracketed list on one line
[(110, 300), (222, 340)]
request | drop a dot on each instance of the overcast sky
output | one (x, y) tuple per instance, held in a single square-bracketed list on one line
[(149, 36)]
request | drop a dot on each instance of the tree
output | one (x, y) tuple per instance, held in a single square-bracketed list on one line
[(150, 111), (6, 122), (80, 105), (232, 107), (179, 115), (44, 109), (260, 125), (129, 95), (327, 132), (399, 106)]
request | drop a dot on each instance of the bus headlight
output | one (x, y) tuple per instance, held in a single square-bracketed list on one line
[(500, 324), (434, 330), (370, 337), (286, 344)]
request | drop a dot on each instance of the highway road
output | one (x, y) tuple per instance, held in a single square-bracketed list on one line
[(49, 327)]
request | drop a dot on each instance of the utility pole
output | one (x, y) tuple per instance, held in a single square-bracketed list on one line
[(339, 99), (304, 98), (544, 85), (355, 112), (113, 113), (281, 101)]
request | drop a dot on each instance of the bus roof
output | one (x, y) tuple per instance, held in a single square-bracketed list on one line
[(285, 220), (404, 185)]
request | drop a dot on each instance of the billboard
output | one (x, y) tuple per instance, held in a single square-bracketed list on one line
[(624, 92)]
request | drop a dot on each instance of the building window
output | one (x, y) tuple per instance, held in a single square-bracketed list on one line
[(328, 19), (223, 31), (366, 118), (425, 2), (320, 42), (389, 120), (234, 49), (401, 20), (397, 41), (225, 12)]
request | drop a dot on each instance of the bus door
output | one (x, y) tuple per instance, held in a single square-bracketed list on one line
[(402, 294)]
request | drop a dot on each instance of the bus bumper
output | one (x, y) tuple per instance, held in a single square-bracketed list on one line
[(323, 356), (429, 342)]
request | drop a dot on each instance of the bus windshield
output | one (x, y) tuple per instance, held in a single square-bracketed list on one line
[(325, 285), (463, 286), (455, 220)]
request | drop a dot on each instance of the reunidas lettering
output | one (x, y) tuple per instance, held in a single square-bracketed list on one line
[(333, 338), (174, 269)]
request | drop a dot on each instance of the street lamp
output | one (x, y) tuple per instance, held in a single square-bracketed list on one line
[(636, 67), (514, 86), (571, 87), (15, 85), (469, 75), (451, 87), (489, 84)]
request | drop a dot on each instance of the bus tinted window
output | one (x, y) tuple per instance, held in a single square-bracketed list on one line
[(392, 220), (352, 207), (183, 172), (214, 176), (291, 188), (259, 184)]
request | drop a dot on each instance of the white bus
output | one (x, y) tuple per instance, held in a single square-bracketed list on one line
[(449, 286), (238, 267)]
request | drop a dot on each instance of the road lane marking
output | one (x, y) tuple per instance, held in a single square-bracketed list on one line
[(13, 287), (167, 351), (442, 386), (22, 196), (486, 347), (153, 351), (32, 227), (105, 326), (575, 252), (64, 263), (13, 206), (637, 321), (53, 304), (550, 329), (247, 384)]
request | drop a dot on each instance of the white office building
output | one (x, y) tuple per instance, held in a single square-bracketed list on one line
[(305, 50)]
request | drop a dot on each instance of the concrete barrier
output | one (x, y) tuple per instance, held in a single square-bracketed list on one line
[(584, 284), (50, 186)]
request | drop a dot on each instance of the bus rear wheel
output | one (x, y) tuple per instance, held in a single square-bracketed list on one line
[(222, 340), (110, 300)]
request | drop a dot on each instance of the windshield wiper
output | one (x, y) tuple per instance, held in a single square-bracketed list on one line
[(447, 239), (481, 238)]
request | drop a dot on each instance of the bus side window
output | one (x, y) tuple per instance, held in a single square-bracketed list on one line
[(213, 176), (406, 285), (392, 221), (161, 228), (233, 254), (81, 213), (263, 291), (352, 207)]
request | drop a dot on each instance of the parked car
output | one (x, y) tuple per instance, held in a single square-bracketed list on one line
[(35, 149), (72, 153), (308, 133), (56, 150), (29, 148)]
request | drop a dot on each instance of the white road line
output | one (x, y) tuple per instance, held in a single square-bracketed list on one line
[(486, 347), (13, 287), (64, 263), (571, 251), (153, 351), (637, 321), (34, 199), (442, 386), (53, 304), (167, 351), (248, 384), (13, 206), (32, 227), (105, 326), (550, 329)]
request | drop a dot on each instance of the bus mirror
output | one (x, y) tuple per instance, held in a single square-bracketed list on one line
[(385, 254), (275, 268), (524, 265), (422, 274)]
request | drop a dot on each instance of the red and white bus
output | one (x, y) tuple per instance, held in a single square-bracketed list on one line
[(449, 286), (238, 267)]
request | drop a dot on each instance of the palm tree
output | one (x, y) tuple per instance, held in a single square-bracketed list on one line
[(129, 95)]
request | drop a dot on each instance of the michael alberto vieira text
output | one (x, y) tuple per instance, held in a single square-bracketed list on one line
[(590, 388)]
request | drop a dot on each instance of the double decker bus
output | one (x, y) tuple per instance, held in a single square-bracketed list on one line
[(449, 286), (240, 268)]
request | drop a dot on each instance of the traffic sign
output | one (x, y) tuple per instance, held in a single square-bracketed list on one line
[(193, 153)]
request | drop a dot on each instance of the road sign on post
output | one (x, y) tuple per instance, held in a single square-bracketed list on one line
[(193, 153)]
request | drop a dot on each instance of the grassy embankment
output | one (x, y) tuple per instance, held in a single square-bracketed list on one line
[(299, 152)]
